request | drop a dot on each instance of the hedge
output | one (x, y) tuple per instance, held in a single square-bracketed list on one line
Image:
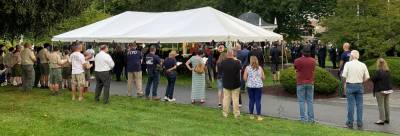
[(394, 66), (325, 82)]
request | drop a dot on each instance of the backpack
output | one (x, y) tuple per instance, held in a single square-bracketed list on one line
[(200, 68)]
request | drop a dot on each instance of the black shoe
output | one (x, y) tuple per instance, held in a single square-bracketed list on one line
[(348, 125), (359, 126), (387, 121), (219, 105)]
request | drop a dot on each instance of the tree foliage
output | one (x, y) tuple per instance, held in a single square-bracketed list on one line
[(373, 30), (34, 17), (38, 18)]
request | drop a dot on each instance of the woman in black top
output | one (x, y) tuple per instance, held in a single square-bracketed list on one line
[(382, 85)]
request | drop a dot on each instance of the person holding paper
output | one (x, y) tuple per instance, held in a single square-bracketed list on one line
[(382, 89), (169, 66)]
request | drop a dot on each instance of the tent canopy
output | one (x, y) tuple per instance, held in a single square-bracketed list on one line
[(195, 25)]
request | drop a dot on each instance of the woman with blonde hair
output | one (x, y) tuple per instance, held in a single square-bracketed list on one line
[(382, 89), (220, 87), (254, 76), (169, 66)]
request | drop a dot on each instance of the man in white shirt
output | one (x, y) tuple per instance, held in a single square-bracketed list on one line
[(104, 64), (77, 61), (355, 74)]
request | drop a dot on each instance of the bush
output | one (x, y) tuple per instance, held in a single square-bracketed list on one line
[(325, 82), (394, 65)]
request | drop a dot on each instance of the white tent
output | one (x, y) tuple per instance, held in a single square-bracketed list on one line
[(195, 25)]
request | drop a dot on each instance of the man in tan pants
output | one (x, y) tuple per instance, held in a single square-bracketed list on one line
[(134, 68), (230, 68)]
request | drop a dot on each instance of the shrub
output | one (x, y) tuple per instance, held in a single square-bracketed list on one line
[(394, 65), (325, 82)]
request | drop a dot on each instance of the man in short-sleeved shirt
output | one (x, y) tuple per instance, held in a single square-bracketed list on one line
[(355, 73), (153, 65), (134, 69), (274, 54), (44, 65), (230, 68), (28, 58), (77, 61)]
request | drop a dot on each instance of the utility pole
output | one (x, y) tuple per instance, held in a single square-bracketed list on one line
[(358, 20)]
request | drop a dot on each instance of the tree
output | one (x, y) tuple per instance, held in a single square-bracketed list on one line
[(34, 17), (371, 26)]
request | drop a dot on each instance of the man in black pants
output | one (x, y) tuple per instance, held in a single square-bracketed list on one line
[(104, 64), (333, 56), (274, 56), (321, 56)]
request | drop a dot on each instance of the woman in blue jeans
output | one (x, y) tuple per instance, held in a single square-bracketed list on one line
[(254, 76), (170, 72)]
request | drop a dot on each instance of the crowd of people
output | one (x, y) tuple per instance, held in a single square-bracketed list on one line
[(238, 68)]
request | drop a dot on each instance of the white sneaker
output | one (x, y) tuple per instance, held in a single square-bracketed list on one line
[(172, 100), (240, 106), (166, 98)]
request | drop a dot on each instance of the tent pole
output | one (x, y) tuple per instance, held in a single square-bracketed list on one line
[(282, 52)]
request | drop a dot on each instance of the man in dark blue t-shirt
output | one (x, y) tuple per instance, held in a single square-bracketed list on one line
[(344, 58), (153, 64), (242, 55), (134, 69), (275, 54), (230, 68)]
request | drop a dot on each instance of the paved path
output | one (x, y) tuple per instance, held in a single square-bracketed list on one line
[(331, 111)]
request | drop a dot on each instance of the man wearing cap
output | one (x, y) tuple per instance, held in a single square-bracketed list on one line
[(104, 64), (305, 67), (134, 68), (28, 58)]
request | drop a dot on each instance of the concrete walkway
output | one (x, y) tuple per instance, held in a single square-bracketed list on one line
[(327, 111)]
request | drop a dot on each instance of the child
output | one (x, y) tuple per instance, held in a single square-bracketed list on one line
[(87, 67)]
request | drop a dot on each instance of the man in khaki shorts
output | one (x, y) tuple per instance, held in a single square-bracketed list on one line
[(44, 65), (55, 63), (77, 61)]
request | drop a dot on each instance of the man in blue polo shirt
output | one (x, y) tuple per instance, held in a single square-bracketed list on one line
[(134, 69)]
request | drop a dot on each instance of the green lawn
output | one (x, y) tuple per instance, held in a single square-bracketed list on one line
[(37, 113)]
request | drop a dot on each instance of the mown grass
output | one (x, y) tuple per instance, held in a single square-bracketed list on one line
[(37, 113)]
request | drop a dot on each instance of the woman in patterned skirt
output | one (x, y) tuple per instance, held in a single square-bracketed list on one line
[(198, 80)]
